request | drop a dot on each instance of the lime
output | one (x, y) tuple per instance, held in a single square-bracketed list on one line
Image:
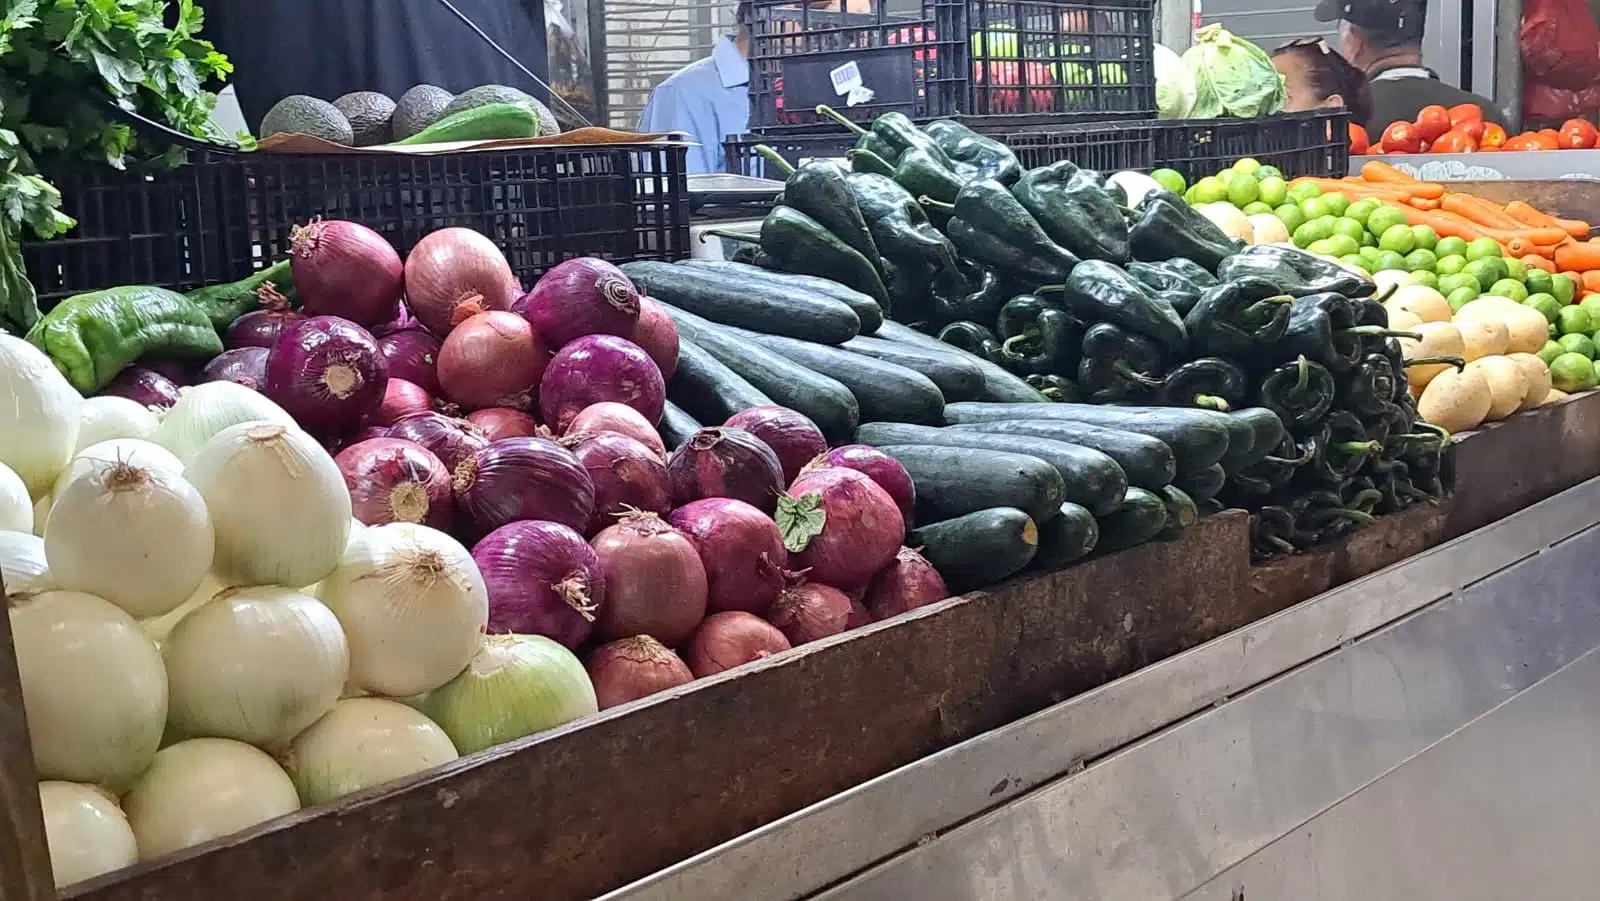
[(1191, 198), (1563, 287), (1538, 281), (1448, 283), (1487, 270), (1353, 259), (1247, 166), (1451, 246), (1388, 259), (1303, 191), (1572, 372), (1315, 207), (1227, 176), (1269, 172), (1337, 202), (1426, 279), (1171, 179), (1546, 304), (1274, 190), (1421, 260), (1290, 216), (1509, 287), (1243, 189), (1370, 254), (1553, 333), (1367, 240), (1397, 238), (1461, 296), (1210, 190), (1384, 218), (1342, 244), (1311, 232), (1255, 207), (1322, 247), (1344, 225), (1577, 344), (1481, 248), (1516, 269), (1592, 304), (1427, 238), (1449, 265), (1361, 209), (1574, 319), (1549, 352)]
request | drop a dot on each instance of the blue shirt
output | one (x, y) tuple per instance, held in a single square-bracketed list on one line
[(708, 99)]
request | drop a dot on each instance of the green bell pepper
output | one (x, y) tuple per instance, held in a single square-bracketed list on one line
[(819, 189), (1242, 318), (1097, 291), (1211, 383), (91, 337), (1119, 365), (1181, 289), (1368, 387), (1316, 275), (1300, 393), (973, 156), (1074, 211), (892, 134), (956, 299), (1345, 448), (800, 244), (973, 338), (989, 227), (1168, 228)]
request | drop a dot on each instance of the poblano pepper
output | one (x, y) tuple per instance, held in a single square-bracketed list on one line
[(91, 337), (973, 156), (909, 286), (1119, 365), (1168, 228), (1074, 211), (819, 189), (891, 135), (919, 173), (1300, 393), (973, 338), (1179, 288), (1322, 327), (1098, 291), (1326, 517), (1316, 274), (800, 244), (1256, 483), (1368, 387), (1211, 383), (1345, 448), (989, 227), (955, 299), (1059, 389), (1038, 338), (898, 223), (1271, 531), (1242, 319)]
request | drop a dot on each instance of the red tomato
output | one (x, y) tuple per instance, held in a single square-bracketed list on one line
[(1576, 134), (1402, 137), (1359, 144), (1494, 135), (1432, 122), (1456, 140), (1463, 112)]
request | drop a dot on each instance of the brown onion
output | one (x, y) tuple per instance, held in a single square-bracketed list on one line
[(610, 416), (396, 481), (908, 582), (634, 668), (734, 638), (452, 275), (810, 611), (503, 422), (655, 582), (493, 359)]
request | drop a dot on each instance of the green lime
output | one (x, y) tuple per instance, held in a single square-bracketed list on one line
[(1255, 207), (1353, 259), (1243, 190), (1486, 270), (1549, 352), (1449, 265), (1451, 246), (1482, 248), (1574, 319), (1384, 218), (1461, 296), (1361, 209), (1448, 283), (1227, 176), (1546, 304), (1563, 287), (1171, 179), (1538, 281), (1572, 372), (1553, 333), (1421, 260), (1342, 244), (1269, 172), (1290, 216), (1191, 198), (1397, 238), (1274, 190), (1516, 269), (1425, 277), (1370, 254), (1368, 240), (1509, 287), (1350, 228), (1388, 259), (1337, 202), (1576, 343), (1322, 247), (1247, 166), (1303, 191), (1315, 207), (1210, 190), (1592, 304), (1311, 232), (1427, 238)]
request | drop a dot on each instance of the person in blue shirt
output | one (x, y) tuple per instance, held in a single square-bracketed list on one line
[(708, 99)]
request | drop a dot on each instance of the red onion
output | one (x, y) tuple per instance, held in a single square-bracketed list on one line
[(908, 582), (881, 468), (741, 549), (413, 355), (503, 422), (401, 399), (861, 528), (245, 366), (179, 372), (658, 335), (345, 269), (792, 436), (327, 373), (523, 478), (727, 640), (609, 416), (369, 433), (451, 440), (400, 320), (634, 668), (598, 368), (396, 481), (626, 476), (655, 582), (809, 611), (261, 328), (721, 462), (493, 359), (143, 386), (585, 296), (456, 273), (542, 580), (859, 616)]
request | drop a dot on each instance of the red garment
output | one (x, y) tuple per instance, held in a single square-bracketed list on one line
[(1542, 103), (1560, 44)]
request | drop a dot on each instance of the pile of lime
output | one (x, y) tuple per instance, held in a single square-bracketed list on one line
[(1574, 334), (1247, 184)]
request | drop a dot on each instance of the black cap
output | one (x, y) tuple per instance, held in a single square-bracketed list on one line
[(1402, 18)]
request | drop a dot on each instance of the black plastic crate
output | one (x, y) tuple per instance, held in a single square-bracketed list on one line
[(1313, 143), (1090, 59)]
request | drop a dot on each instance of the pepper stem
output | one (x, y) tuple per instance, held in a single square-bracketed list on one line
[(1212, 402), (1306, 456), (1005, 346), (1304, 380), (1357, 448), (1359, 516), (1122, 369), (1365, 500), (1457, 362), (731, 236), (835, 115), (771, 156), (1280, 544), (1050, 289), (1379, 331), (925, 200), (875, 161)]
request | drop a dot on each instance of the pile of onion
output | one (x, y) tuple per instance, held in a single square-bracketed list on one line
[(345, 269), (542, 579), (392, 480), (734, 638), (454, 274), (809, 611), (579, 297), (655, 582), (633, 668), (327, 373), (792, 436), (907, 583), (861, 528), (519, 479), (503, 422), (598, 368), (741, 549), (626, 474), (723, 462), (493, 359)]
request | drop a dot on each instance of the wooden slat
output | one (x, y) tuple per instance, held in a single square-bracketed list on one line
[(24, 856)]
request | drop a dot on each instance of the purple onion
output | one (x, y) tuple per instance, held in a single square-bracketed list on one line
[(179, 372), (327, 373), (741, 549), (791, 435), (523, 478), (580, 297), (396, 481), (881, 468), (543, 579), (597, 368), (413, 355), (245, 366), (451, 440), (724, 462), (627, 475), (143, 386), (263, 327)]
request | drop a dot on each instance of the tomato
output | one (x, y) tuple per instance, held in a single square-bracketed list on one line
[(1463, 112), (1494, 135), (1523, 141), (1432, 122), (1358, 140), (1402, 137), (1456, 140), (1546, 139), (1427, 147), (1472, 128), (1577, 133)]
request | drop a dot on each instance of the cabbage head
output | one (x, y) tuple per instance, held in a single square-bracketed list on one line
[(1175, 89), (1233, 77)]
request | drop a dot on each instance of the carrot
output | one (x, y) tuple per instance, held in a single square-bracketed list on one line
[(1427, 189), (1481, 211), (1579, 256), (1519, 247), (1539, 262), (1447, 225), (1424, 203), (1355, 188), (1379, 171), (1590, 280), (1530, 215)]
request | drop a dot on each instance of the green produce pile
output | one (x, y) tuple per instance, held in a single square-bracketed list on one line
[(1220, 75), (424, 114)]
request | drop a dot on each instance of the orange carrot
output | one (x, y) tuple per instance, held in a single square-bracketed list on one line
[(1379, 171), (1590, 280), (1530, 215), (1539, 262), (1482, 212), (1447, 225), (1424, 203), (1519, 247), (1578, 256)]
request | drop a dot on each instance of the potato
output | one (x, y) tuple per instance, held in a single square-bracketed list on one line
[(1483, 338), (1538, 379), (1456, 400), (1439, 339), (1526, 328), (1554, 397), (1422, 300), (1508, 385)]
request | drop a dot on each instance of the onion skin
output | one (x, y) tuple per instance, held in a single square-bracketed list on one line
[(451, 440), (143, 386), (634, 668), (520, 479), (493, 359), (908, 582), (391, 480), (580, 297), (401, 399), (863, 532), (741, 550), (453, 274), (793, 437), (503, 422), (413, 355), (245, 366), (655, 582), (658, 335), (179, 372), (609, 416), (723, 462), (626, 476), (326, 372), (345, 269), (810, 611), (543, 579), (880, 468), (263, 327), (727, 640), (598, 368), (859, 616)]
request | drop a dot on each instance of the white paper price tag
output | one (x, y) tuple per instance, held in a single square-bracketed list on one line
[(846, 78)]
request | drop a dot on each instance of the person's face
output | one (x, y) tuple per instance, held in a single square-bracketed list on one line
[(1350, 43), (1297, 83)]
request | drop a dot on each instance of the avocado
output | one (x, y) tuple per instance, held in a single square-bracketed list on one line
[(499, 93), (299, 113), (418, 108), (369, 113)]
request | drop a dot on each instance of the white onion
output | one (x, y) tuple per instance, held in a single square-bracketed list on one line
[(278, 503), (39, 418), (413, 605), (86, 831), (516, 686), (202, 789), (41, 513), (204, 410), (92, 685), (22, 564), (104, 418), (139, 452), (255, 664), (16, 507), (364, 742), (159, 627), (138, 537)]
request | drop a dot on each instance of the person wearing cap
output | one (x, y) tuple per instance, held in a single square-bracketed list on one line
[(1384, 39)]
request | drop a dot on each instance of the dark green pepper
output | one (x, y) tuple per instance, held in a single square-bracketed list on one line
[(910, 287), (1322, 327), (1211, 383), (919, 173), (892, 135), (1057, 388), (91, 337), (1280, 274), (1098, 291), (1238, 319), (1180, 290), (973, 338), (989, 227), (1271, 528), (1168, 228), (800, 244), (1048, 347), (973, 156), (270, 288), (1119, 365), (1345, 449), (1259, 481), (1370, 311), (1368, 387), (1300, 393), (1329, 518), (898, 223), (1074, 211), (1020, 313), (819, 189), (1316, 274), (955, 299)]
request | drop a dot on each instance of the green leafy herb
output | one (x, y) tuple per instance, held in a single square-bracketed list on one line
[(800, 519)]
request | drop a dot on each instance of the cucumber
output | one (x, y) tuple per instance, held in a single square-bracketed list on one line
[(1196, 439), (885, 392), (957, 377), (1142, 517), (676, 426), (490, 122), (708, 390), (1202, 484), (827, 402), (1269, 432), (999, 386), (866, 308), (980, 548), (1148, 462), (1066, 538), (955, 481), (747, 303), (1090, 478), (1241, 435), (227, 302), (1181, 512)]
